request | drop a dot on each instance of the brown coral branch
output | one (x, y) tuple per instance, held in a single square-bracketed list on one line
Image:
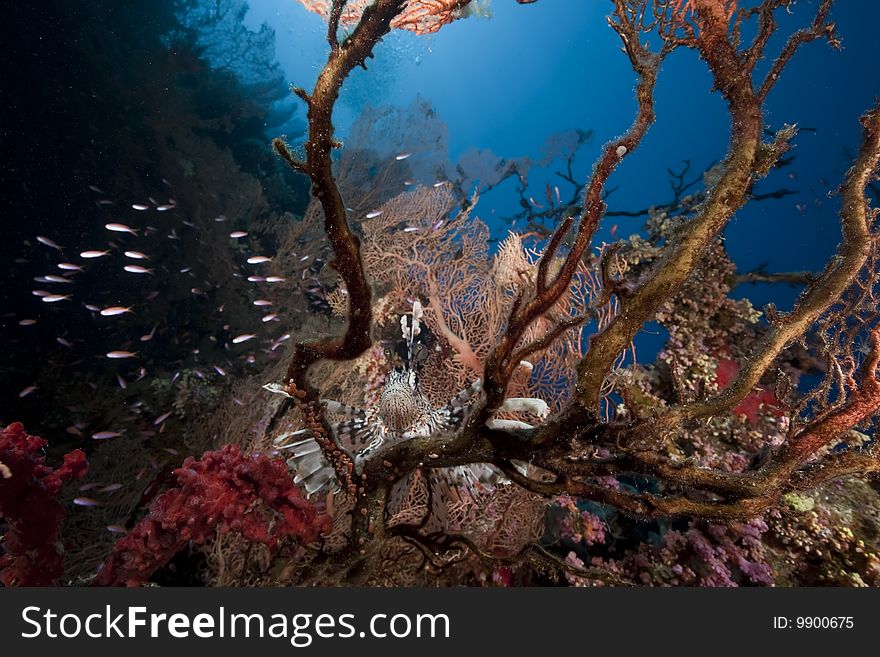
[(670, 273), (821, 27), (375, 22), (839, 273), (500, 364)]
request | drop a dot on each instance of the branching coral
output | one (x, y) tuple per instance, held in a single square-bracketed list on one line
[(30, 509)]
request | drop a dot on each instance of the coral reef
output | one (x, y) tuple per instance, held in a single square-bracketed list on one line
[(714, 433), (741, 455)]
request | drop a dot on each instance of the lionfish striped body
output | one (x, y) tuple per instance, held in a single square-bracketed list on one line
[(402, 413)]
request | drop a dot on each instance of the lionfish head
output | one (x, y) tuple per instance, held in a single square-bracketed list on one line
[(400, 405)]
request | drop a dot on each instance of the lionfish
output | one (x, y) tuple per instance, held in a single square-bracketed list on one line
[(402, 413)]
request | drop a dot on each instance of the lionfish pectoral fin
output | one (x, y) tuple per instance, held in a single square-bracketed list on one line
[(338, 408), (312, 469), (458, 406)]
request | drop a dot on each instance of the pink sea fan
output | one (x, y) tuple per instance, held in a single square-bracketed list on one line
[(419, 16)]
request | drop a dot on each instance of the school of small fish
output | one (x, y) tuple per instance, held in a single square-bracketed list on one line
[(131, 242)]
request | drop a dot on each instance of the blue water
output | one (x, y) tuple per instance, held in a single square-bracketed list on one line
[(507, 82)]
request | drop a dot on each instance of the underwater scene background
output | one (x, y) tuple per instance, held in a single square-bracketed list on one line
[(556, 292)]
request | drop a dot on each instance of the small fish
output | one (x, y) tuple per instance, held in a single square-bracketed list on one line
[(93, 254), (47, 242), (439, 183), (262, 302), (137, 269), (136, 255), (140, 206), (535, 203), (121, 228), (52, 298), (112, 311), (92, 307), (250, 359), (220, 218), (275, 279), (117, 529), (110, 488), (40, 293), (256, 279), (27, 322), (85, 501), (165, 207), (219, 370), (64, 342), (186, 270), (142, 372), (277, 389), (304, 258), (69, 266), (159, 420), (106, 435), (121, 382), (238, 339), (411, 229), (149, 336), (96, 189), (373, 214), (237, 234), (408, 183), (171, 451), (270, 317), (121, 354), (52, 278), (402, 156), (25, 392), (258, 260), (436, 225)]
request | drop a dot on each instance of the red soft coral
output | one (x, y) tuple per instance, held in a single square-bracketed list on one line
[(760, 398), (29, 505), (224, 491)]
